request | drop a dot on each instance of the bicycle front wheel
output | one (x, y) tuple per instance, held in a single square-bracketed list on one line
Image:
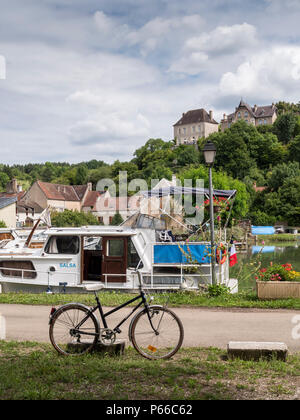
[(73, 330), (162, 339)]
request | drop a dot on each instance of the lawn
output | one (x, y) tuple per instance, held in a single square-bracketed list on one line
[(174, 299), (32, 371)]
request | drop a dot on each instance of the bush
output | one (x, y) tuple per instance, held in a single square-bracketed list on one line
[(215, 290), (2, 224), (69, 218)]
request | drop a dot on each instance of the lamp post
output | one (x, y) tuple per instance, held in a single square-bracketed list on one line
[(209, 152)]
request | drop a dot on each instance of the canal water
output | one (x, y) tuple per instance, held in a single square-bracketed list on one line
[(277, 253)]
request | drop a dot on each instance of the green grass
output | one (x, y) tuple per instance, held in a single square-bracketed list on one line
[(32, 371), (175, 299), (280, 237)]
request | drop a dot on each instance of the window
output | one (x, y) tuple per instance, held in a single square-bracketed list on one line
[(133, 256), (239, 115), (184, 131), (260, 122), (63, 245), (115, 248), (246, 114), (194, 129), (265, 121)]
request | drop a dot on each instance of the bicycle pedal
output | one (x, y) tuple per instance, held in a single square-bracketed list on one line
[(117, 330)]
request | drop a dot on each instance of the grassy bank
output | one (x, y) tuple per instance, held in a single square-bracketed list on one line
[(283, 237), (30, 371), (174, 299)]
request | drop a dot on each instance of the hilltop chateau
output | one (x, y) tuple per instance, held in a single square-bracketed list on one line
[(256, 115), (198, 123), (194, 124)]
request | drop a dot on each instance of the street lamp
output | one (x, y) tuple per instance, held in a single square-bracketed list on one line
[(209, 152)]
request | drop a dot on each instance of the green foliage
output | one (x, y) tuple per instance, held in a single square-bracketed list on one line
[(2, 224), (294, 149), (285, 126), (117, 219), (69, 218), (215, 290)]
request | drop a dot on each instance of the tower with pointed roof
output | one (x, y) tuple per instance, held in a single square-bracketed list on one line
[(256, 115)]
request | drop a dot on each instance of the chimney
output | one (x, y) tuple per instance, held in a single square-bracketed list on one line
[(224, 117), (211, 115), (89, 186)]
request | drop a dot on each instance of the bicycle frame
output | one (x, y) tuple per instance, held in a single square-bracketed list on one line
[(103, 315)]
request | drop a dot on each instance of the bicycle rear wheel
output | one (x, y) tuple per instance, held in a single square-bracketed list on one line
[(164, 340), (66, 337)]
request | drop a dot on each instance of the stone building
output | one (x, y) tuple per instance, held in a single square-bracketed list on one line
[(193, 125), (256, 115)]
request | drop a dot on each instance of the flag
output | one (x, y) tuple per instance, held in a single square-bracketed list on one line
[(232, 256)]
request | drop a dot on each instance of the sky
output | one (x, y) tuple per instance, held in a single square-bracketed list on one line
[(95, 79)]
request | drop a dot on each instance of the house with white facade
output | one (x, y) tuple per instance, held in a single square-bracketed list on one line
[(8, 211), (193, 125)]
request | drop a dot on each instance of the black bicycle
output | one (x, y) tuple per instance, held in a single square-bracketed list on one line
[(155, 331)]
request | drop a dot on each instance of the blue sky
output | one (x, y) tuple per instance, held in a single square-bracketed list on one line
[(96, 79)]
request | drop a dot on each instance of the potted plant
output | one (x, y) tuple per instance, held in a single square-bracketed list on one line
[(278, 282)]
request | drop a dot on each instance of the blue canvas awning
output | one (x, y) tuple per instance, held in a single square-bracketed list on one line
[(188, 254), (263, 230)]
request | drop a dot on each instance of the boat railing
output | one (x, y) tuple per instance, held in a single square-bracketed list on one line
[(26, 274)]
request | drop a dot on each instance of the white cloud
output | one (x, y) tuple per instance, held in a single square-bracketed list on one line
[(224, 39), (2, 67), (273, 74), (206, 50)]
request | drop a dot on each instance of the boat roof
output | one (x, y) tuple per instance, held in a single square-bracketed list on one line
[(93, 230), (161, 192)]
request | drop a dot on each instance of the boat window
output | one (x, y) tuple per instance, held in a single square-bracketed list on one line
[(115, 247), (93, 243), (62, 245), (134, 260), (23, 269)]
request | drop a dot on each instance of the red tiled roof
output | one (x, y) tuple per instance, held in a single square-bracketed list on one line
[(91, 198), (19, 195), (195, 116), (62, 192)]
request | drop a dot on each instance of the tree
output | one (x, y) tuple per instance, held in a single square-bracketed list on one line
[(81, 175), (233, 155), (70, 218), (294, 149), (4, 179), (2, 224), (280, 173), (117, 219), (284, 127)]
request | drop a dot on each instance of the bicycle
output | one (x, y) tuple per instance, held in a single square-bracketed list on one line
[(155, 331)]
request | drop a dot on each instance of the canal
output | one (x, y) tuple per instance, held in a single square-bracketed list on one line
[(277, 253)]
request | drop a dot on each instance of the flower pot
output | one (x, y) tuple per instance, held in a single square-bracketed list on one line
[(278, 289)]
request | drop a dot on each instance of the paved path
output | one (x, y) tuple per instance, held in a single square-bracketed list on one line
[(203, 327)]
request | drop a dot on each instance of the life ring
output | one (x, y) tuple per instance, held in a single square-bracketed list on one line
[(221, 249)]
